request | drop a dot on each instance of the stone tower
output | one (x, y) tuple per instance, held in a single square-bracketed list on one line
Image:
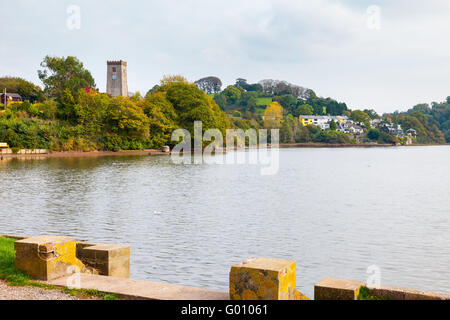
[(116, 84)]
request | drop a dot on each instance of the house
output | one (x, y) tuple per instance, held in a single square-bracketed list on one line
[(376, 122), (319, 121), (4, 145), (340, 119), (395, 130), (411, 132), (350, 128), (11, 97)]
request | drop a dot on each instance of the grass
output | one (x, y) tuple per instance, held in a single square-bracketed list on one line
[(14, 277), (365, 294), (263, 102)]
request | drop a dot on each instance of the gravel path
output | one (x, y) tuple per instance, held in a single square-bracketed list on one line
[(30, 293)]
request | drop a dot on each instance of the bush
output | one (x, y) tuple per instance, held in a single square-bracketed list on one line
[(374, 134)]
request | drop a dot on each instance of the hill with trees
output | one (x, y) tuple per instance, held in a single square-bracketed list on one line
[(70, 114)]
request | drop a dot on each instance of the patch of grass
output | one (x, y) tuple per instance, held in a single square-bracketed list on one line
[(263, 101), (8, 271), (365, 295), (260, 110), (14, 277)]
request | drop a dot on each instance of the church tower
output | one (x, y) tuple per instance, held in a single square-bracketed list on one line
[(116, 84)]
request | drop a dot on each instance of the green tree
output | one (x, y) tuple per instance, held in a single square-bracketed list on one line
[(333, 125), (127, 118), (360, 117), (62, 75), (27, 90), (305, 110), (232, 94), (192, 104), (162, 118), (374, 134)]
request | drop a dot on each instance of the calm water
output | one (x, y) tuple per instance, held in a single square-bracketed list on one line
[(335, 211)]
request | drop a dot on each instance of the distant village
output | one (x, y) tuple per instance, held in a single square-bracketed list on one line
[(345, 125)]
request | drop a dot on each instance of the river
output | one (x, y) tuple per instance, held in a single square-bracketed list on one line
[(337, 212)]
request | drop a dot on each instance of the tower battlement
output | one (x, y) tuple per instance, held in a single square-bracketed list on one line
[(120, 62)]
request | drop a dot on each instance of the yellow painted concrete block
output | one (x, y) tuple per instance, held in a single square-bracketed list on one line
[(264, 279), (47, 257)]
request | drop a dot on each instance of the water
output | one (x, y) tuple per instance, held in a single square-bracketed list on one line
[(335, 211)]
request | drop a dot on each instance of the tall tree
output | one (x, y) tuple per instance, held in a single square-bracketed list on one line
[(61, 74), (209, 84)]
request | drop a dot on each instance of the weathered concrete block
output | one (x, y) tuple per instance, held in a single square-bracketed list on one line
[(165, 149), (394, 293), (337, 289), (47, 257), (106, 259), (264, 279)]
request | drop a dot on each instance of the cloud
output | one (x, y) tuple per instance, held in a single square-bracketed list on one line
[(321, 44)]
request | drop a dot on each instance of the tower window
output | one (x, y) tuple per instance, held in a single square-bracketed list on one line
[(114, 69)]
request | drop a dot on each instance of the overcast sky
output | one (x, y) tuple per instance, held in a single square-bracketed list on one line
[(340, 49)]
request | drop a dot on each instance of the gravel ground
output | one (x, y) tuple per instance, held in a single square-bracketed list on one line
[(30, 293)]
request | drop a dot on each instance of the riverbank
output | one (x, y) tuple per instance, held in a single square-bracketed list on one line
[(361, 145), (333, 145), (156, 152), (79, 154)]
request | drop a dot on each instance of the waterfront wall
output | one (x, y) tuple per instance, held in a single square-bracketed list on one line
[(23, 151)]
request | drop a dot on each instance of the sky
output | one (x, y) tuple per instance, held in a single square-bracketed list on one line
[(385, 55)]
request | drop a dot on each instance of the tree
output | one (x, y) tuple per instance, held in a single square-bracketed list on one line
[(232, 94), (192, 104), (360, 117), (127, 118), (273, 115), (61, 74), (162, 118), (27, 90), (333, 125), (209, 84), (372, 113), (90, 111), (168, 80), (153, 90), (305, 110), (241, 83), (288, 102), (374, 134)]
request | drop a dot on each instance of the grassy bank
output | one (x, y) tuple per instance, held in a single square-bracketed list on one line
[(14, 277)]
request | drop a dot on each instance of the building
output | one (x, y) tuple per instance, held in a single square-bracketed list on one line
[(395, 130), (116, 84), (350, 128), (411, 132), (323, 122), (319, 121), (11, 97)]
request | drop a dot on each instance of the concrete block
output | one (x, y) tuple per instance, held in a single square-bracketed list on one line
[(106, 259), (264, 279), (47, 257), (337, 289), (394, 293)]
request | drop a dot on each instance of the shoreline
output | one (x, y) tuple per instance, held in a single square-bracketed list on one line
[(156, 152), (82, 154)]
